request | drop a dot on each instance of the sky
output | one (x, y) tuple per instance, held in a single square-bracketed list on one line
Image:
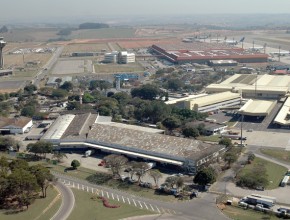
[(52, 9)]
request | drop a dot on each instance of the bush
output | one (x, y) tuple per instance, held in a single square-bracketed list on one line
[(99, 178)]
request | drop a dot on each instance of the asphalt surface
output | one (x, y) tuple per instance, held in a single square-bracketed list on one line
[(67, 205), (203, 208)]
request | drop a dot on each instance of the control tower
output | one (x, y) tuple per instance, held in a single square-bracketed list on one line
[(2, 45)]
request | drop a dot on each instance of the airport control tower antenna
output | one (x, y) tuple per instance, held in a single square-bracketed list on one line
[(2, 45)]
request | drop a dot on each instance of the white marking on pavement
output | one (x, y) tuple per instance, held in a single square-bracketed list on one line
[(157, 209), (134, 202), (145, 205), (108, 195), (129, 201), (123, 199), (151, 207), (73, 184), (113, 196), (102, 193), (83, 187), (92, 190), (118, 198), (140, 205)]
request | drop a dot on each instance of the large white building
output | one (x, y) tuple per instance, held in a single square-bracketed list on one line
[(15, 125), (119, 57)]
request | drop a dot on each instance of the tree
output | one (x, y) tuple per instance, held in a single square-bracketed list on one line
[(139, 168), (179, 183), (40, 147), (205, 176), (171, 123), (6, 142), (59, 93), (30, 88), (68, 86), (18, 164), (148, 91), (190, 132), (4, 167), (43, 177), (156, 175), (226, 142), (88, 98), (116, 163), (75, 164), (104, 111), (251, 157), (58, 155), (230, 157), (171, 181), (174, 84), (28, 111)]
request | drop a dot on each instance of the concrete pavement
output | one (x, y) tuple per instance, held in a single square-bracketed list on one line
[(67, 205)]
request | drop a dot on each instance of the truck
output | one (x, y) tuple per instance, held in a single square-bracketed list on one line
[(89, 153)]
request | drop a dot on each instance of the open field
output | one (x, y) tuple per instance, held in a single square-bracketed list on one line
[(282, 155), (10, 86), (118, 68), (86, 208), (71, 66), (12, 60), (274, 171), (30, 34), (139, 43), (236, 213), (112, 32), (86, 47), (41, 209)]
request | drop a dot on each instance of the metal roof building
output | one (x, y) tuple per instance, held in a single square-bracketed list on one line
[(254, 86), (283, 117), (257, 108)]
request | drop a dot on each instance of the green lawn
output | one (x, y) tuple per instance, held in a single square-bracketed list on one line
[(275, 172), (86, 208), (236, 213), (282, 155), (40, 209), (212, 138)]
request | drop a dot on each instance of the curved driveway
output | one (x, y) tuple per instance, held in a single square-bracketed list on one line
[(67, 204)]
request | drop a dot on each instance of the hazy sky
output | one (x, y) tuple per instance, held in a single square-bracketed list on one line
[(46, 9)]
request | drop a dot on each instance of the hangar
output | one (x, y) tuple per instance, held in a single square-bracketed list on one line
[(85, 131), (283, 117)]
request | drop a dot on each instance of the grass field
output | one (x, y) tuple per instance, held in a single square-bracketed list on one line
[(41, 209), (17, 59), (275, 172), (282, 155), (89, 47), (236, 213), (86, 208), (118, 68)]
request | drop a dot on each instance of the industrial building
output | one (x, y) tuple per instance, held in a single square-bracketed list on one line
[(85, 54), (119, 57), (254, 86), (257, 108), (211, 102), (92, 131), (283, 117), (15, 125), (201, 52), (6, 72)]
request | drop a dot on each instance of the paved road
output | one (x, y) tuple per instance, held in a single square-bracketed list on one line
[(197, 209), (68, 201), (43, 72)]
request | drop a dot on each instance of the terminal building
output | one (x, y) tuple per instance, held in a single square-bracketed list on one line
[(201, 52), (119, 57), (254, 86), (93, 131)]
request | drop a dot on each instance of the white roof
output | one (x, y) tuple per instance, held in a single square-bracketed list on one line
[(173, 101), (283, 117), (214, 98), (257, 107), (58, 128)]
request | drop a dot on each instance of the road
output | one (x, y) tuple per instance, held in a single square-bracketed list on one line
[(197, 209), (67, 205), (44, 71)]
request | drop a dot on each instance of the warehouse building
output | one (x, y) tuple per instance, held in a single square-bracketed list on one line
[(88, 131), (15, 125), (257, 108), (210, 102), (201, 52), (254, 86)]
